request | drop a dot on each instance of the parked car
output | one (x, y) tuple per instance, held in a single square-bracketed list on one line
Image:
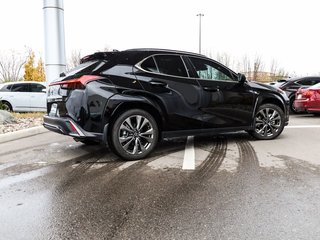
[(308, 99), (292, 85), (133, 98), (278, 83), (26, 96)]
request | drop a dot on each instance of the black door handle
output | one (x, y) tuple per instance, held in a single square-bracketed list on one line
[(158, 84), (210, 89)]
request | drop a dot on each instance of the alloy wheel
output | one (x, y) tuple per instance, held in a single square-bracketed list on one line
[(136, 134), (6, 107), (267, 122)]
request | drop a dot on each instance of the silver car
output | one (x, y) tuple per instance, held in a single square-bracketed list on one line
[(25, 96)]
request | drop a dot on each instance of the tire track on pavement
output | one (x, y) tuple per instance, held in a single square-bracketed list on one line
[(248, 160), (214, 160)]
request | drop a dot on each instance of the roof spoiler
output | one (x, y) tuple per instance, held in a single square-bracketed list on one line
[(98, 56)]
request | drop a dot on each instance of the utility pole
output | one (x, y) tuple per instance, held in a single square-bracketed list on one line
[(55, 56), (200, 15)]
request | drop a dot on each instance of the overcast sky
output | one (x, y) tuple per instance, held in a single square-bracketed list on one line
[(287, 31)]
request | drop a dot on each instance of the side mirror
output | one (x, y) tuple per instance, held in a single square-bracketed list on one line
[(241, 78), (44, 90), (62, 74)]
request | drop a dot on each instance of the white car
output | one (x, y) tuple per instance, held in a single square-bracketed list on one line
[(24, 96)]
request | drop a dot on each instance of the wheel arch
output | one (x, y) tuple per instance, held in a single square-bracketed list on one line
[(272, 99), (120, 103)]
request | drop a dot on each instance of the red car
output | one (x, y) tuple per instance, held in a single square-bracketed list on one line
[(308, 99)]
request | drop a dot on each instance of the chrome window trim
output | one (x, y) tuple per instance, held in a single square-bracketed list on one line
[(138, 65)]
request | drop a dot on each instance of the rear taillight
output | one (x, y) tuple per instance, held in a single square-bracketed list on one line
[(76, 83), (308, 93)]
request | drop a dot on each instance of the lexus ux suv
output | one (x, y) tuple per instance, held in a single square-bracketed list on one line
[(132, 99)]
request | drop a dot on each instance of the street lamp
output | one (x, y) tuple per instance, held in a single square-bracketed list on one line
[(55, 57), (200, 15)]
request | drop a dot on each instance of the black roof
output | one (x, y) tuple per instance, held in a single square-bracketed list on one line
[(134, 55), (299, 78), (159, 50)]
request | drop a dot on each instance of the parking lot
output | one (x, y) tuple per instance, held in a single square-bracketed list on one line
[(228, 186)]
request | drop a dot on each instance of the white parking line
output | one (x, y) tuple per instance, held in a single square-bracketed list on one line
[(189, 155), (304, 126)]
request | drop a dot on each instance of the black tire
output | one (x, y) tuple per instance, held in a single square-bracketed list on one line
[(6, 106), (134, 134), (292, 107), (268, 122)]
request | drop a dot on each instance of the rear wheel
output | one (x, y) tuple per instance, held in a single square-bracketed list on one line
[(269, 122), (134, 134), (292, 107), (6, 106)]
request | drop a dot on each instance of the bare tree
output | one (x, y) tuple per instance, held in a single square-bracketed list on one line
[(257, 68), (10, 66), (273, 70), (246, 67), (225, 59), (74, 60), (276, 72), (253, 68)]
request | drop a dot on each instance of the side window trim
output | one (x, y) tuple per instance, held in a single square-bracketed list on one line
[(155, 63), (185, 66)]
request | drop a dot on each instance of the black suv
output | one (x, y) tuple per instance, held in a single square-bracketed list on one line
[(291, 86), (133, 98)]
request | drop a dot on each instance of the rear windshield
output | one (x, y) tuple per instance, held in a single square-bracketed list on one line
[(5, 88), (86, 67), (316, 86)]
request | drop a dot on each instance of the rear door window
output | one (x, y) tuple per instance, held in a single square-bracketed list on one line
[(20, 87), (170, 65), (150, 65)]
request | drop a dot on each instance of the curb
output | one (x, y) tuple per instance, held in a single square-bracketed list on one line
[(11, 136)]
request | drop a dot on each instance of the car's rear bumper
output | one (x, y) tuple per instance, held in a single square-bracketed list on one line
[(67, 126), (300, 105), (306, 105)]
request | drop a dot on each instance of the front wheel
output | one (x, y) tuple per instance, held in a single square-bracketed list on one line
[(134, 134), (268, 122)]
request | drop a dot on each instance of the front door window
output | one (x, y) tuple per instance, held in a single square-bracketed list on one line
[(207, 70)]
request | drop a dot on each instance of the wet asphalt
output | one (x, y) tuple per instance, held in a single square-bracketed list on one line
[(54, 188)]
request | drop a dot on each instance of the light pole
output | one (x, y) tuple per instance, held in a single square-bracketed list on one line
[(55, 57), (200, 15)]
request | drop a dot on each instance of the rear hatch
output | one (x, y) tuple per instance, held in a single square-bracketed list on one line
[(75, 80)]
